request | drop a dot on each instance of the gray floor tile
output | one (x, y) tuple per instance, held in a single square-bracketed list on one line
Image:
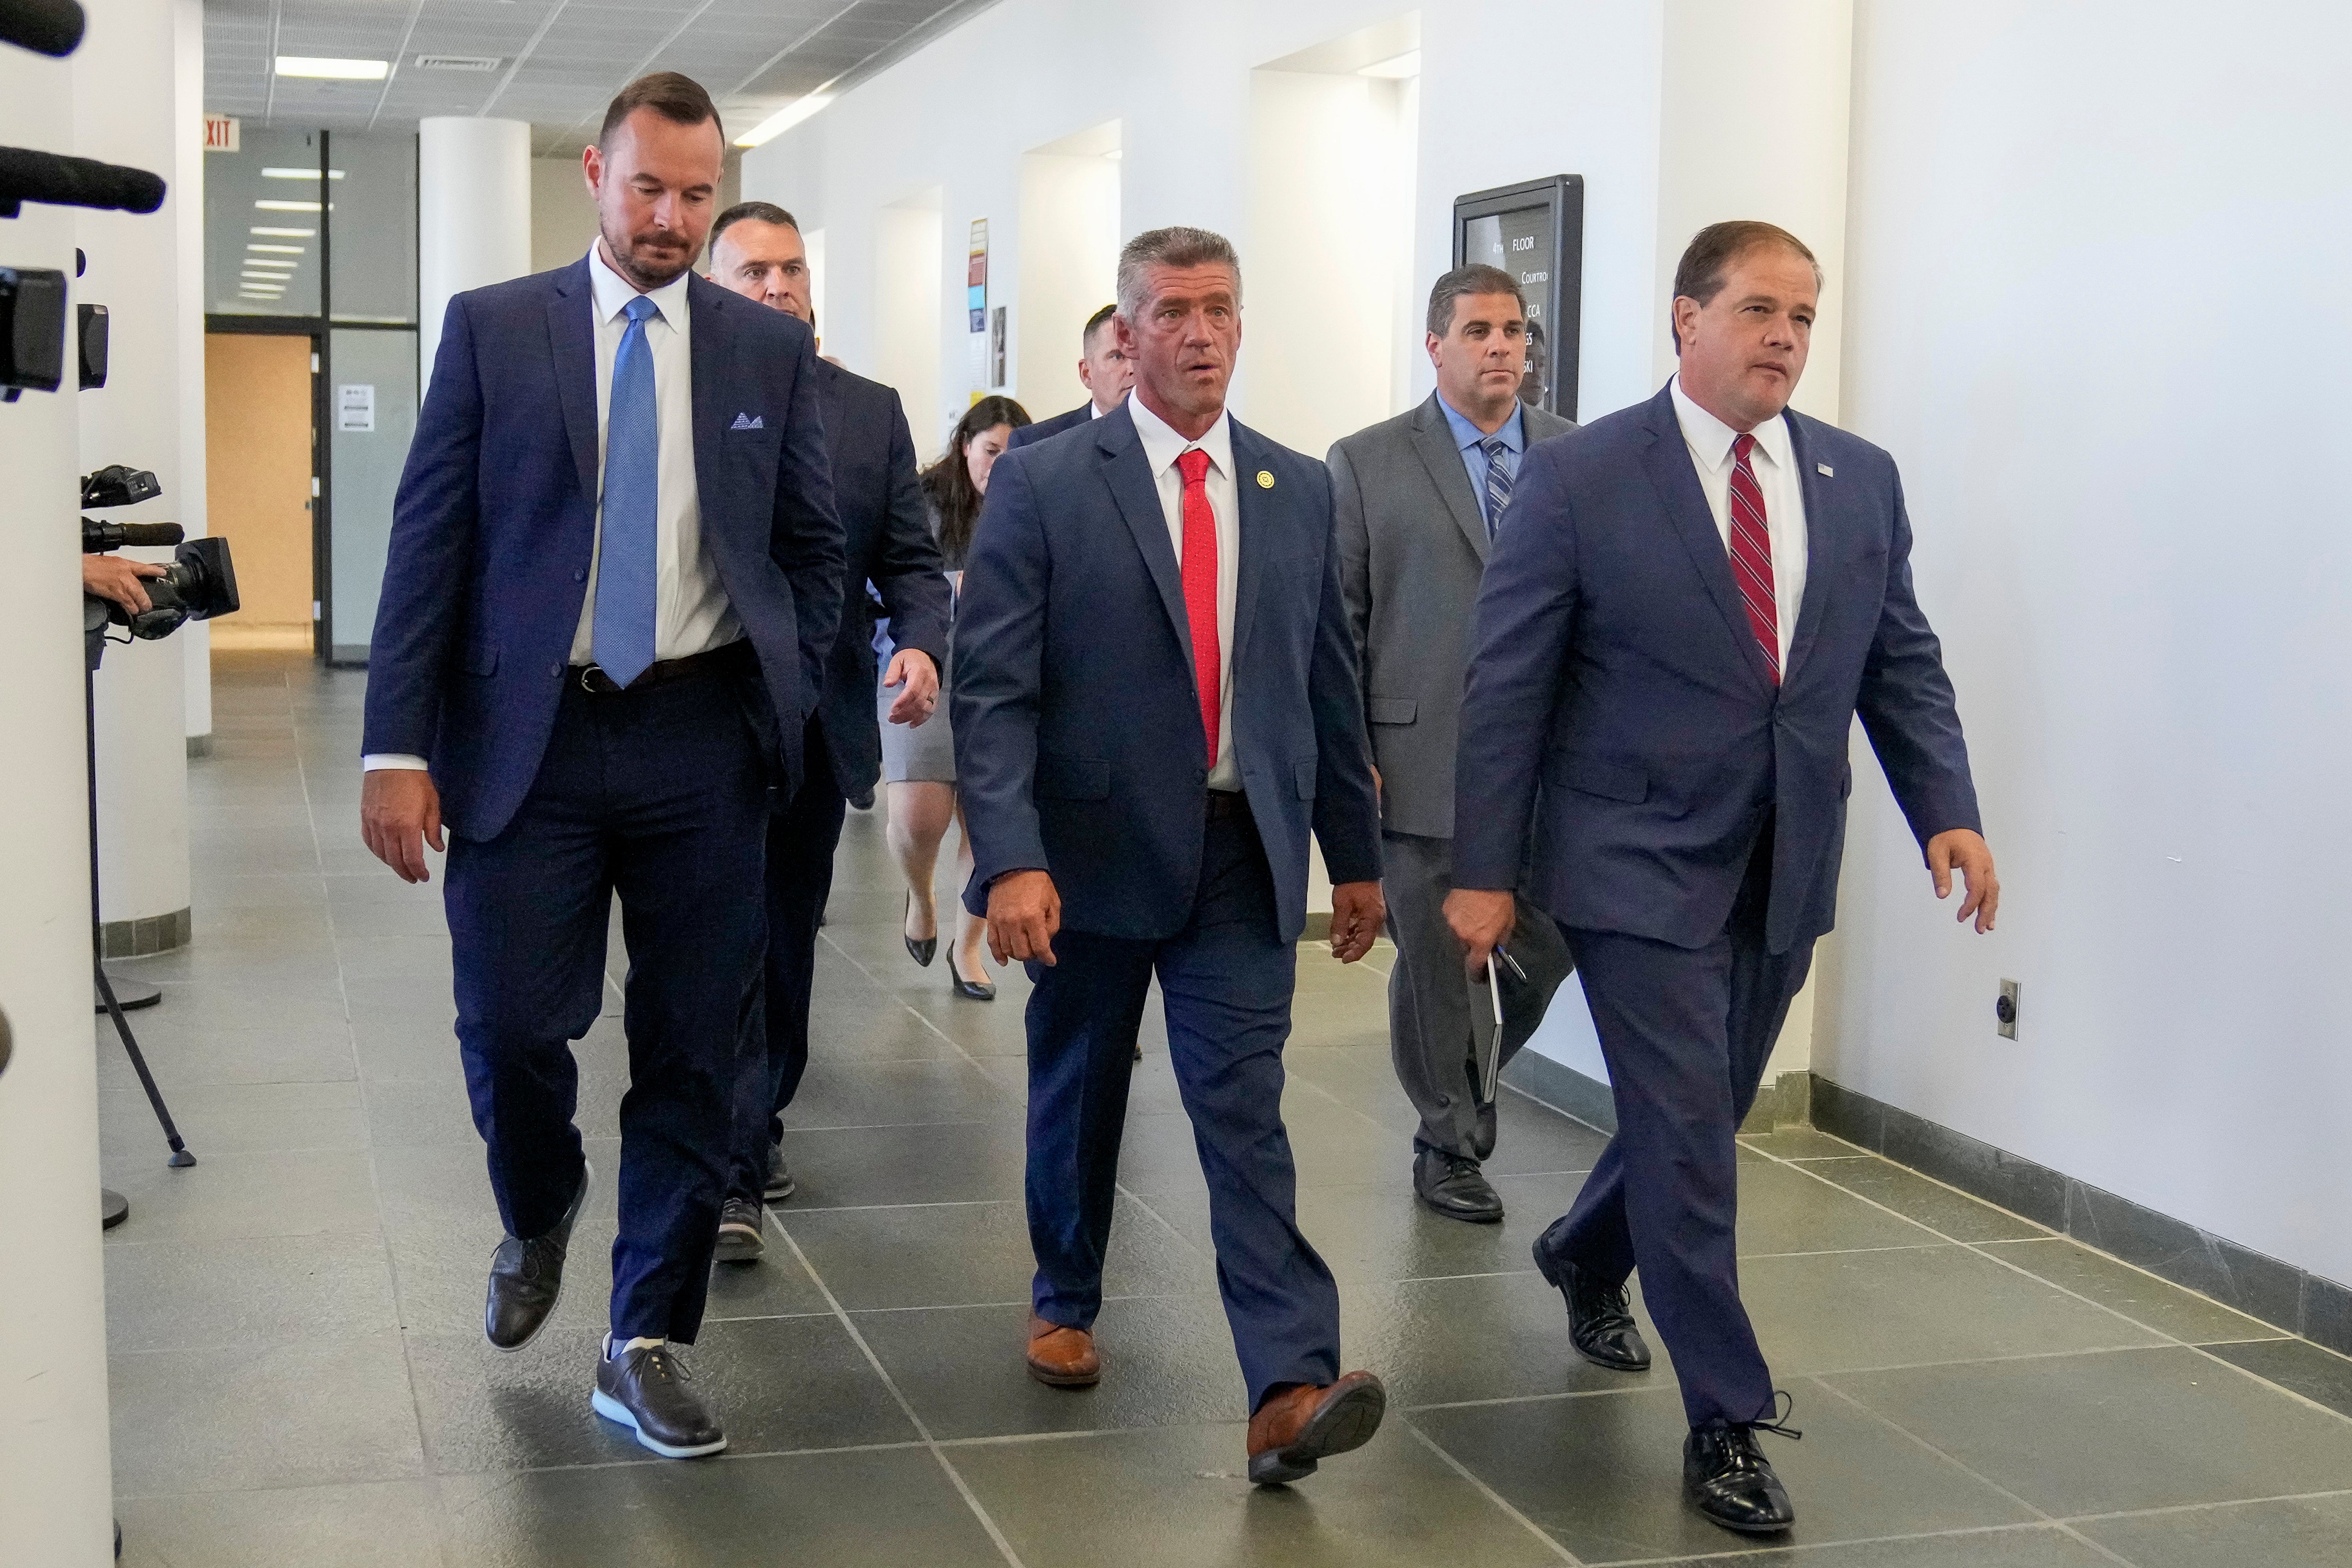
[(308, 1192), (2317, 1373), (1529, 1138), (2305, 1532), (387, 1524), (1496, 1336), (897, 1093), (1784, 1210), (1165, 1359), (234, 1418), (948, 1162), (885, 1509), (957, 1255), (1176, 1496), (776, 1385), (2139, 1296), (2019, 1546), (2100, 1434), (1913, 1195), (1382, 1234), (184, 1052), (1801, 1142), (239, 1118), (189, 1295), (1851, 1478)]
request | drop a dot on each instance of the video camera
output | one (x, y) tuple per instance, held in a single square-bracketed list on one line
[(199, 583)]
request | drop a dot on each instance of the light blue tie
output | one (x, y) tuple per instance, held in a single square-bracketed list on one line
[(1498, 483), (626, 567)]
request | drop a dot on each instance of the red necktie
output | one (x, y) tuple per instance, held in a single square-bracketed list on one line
[(1200, 590), (1751, 555)]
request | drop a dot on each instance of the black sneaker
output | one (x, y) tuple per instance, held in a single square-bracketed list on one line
[(781, 1184), (739, 1241), (1726, 1478), (527, 1279), (644, 1389)]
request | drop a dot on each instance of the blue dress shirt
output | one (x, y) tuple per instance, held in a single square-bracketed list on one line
[(1467, 435)]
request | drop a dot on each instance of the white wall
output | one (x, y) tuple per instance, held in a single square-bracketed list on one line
[(2097, 313), (195, 639), (563, 215), (54, 1478), (473, 216), (1069, 208)]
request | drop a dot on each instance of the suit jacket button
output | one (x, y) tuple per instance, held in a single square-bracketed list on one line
[(555, 672), (579, 576)]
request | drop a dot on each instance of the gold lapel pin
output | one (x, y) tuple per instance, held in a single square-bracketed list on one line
[(1265, 479)]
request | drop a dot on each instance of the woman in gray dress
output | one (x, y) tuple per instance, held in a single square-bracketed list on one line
[(919, 761)]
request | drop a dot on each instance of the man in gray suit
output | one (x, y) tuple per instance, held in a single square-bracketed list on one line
[(1418, 500)]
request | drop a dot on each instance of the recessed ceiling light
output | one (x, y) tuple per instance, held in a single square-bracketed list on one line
[(268, 269), (277, 249), (333, 69), (1396, 67), (287, 233), (288, 206), (299, 174), (785, 119)]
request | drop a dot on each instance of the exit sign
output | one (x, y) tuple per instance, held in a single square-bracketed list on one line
[(220, 134)]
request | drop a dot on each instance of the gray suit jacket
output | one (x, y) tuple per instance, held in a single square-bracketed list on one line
[(1413, 548)]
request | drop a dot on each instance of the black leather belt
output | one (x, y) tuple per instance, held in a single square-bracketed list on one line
[(717, 661), (1227, 803)]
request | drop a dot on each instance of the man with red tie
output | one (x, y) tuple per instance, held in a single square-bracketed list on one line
[(1155, 707), (1695, 599)]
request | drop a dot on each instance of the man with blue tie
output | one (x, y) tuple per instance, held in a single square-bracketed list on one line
[(615, 574), (1155, 705), (1695, 599)]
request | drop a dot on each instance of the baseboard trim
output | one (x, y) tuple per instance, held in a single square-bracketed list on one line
[(148, 934), (2278, 1293)]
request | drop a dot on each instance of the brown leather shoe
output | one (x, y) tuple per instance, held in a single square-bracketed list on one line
[(1060, 1357), (1301, 1425)]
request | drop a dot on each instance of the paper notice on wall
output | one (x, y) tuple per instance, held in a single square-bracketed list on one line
[(355, 407)]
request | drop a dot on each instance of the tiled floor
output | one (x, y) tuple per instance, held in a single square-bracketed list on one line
[(299, 1375)]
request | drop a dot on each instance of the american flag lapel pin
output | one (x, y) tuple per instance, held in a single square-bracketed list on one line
[(1825, 470)]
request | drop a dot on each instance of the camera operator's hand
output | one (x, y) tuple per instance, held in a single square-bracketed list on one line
[(400, 813), (113, 578)]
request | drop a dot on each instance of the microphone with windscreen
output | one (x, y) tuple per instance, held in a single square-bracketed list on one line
[(26, 175), (44, 27)]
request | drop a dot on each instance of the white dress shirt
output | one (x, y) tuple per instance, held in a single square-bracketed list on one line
[(1161, 446), (691, 613), (1774, 460)]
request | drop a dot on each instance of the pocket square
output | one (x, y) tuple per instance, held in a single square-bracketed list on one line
[(748, 422)]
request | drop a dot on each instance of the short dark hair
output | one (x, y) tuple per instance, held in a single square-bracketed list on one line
[(1095, 323), (681, 99), (752, 212), (1476, 278), (1712, 250)]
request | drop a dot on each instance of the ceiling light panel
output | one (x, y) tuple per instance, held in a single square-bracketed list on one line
[(327, 69)]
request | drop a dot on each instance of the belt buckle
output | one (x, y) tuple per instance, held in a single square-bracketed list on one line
[(587, 682)]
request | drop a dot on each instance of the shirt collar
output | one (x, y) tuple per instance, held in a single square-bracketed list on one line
[(1514, 430), (614, 292), (1710, 439), (1162, 445)]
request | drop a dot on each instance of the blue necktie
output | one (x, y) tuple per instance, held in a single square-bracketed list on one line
[(1498, 483), (626, 567)]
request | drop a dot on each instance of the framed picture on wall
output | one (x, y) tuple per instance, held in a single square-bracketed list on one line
[(1535, 232)]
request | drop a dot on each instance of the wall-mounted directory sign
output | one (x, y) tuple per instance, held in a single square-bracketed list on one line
[(1535, 232)]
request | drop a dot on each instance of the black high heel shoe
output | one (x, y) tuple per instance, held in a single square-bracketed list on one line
[(921, 951), (969, 990)]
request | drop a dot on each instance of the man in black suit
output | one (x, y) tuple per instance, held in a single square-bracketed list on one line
[(1103, 369), (756, 251)]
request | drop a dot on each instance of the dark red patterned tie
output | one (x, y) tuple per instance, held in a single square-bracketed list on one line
[(1200, 590), (1751, 555)]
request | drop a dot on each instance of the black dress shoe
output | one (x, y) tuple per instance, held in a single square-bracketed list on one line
[(645, 1390), (1726, 1478), (969, 990), (921, 951), (863, 800), (740, 1238), (781, 1184), (1599, 1317), (527, 1279), (1455, 1186)]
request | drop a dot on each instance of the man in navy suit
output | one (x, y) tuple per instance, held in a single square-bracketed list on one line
[(1103, 369), (1690, 603), (756, 250), (615, 574), (1155, 705)]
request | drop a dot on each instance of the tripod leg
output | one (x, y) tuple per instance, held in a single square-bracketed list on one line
[(179, 1155)]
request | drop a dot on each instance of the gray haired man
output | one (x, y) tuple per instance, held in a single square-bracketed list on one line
[(1418, 501)]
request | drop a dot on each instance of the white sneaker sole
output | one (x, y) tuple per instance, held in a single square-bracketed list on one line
[(613, 1410)]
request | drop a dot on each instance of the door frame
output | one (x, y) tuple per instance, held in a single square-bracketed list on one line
[(322, 536)]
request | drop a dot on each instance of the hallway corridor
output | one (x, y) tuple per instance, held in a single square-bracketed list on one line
[(299, 1378)]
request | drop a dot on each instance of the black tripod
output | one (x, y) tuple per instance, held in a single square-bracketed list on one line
[(114, 1207)]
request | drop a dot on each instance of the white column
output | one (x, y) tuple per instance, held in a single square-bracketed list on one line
[(56, 1479), (473, 215), (195, 639), (126, 85)]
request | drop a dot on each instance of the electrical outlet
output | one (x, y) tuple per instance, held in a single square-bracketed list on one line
[(2004, 1011)]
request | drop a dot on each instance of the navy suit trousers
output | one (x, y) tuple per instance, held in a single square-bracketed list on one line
[(659, 795), (1227, 980), (774, 1050), (1687, 1033)]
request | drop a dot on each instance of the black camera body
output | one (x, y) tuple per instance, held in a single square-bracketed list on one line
[(199, 583)]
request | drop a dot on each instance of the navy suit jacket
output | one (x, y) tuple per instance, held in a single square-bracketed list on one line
[(495, 522), (1082, 415), (1079, 748), (1613, 664), (889, 543)]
